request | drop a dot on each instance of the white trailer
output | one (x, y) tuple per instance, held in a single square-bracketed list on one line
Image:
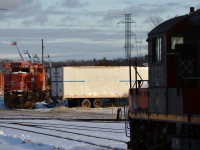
[(90, 84)]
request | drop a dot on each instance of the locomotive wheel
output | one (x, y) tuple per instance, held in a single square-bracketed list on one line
[(97, 103), (9, 103), (29, 105), (86, 103), (6, 103)]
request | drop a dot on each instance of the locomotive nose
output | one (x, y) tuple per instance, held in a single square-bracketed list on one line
[(18, 81)]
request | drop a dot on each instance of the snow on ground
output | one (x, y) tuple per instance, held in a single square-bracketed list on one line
[(71, 133), (19, 143)]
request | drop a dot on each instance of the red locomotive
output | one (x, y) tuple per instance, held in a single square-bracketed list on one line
[(1, 82), (166, 114), (24, 84)]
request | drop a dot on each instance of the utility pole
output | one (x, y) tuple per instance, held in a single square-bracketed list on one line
[(42, 52)]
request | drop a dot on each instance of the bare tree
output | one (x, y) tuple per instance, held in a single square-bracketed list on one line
[(154, 22)]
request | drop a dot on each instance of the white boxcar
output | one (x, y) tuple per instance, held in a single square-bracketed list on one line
[(90, 84)]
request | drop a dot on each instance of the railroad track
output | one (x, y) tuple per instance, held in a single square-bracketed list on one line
[(76, 127), (69, 128), (62, 119)]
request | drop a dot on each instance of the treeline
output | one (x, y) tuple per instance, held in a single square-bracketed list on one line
[(100, 62)]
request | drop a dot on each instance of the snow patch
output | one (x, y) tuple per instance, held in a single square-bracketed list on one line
[(2, 133)]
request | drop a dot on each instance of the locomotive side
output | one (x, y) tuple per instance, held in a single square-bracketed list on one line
[(24, 84), (166, 115)]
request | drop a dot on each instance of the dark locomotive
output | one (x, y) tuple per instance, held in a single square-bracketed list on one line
[(24, 84), (166, 115)]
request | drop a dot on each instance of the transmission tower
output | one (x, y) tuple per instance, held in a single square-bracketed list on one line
[(128, 45)]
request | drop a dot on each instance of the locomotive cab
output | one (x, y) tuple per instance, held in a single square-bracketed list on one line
[(166, 114), (19, 77)]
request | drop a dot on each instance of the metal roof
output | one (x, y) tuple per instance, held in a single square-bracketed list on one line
[(195, 19), (167, 25)]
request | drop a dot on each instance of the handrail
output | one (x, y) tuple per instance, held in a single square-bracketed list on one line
[(127, 127)]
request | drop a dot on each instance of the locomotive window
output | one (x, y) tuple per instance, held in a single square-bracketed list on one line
[(176, 40), (15, 66), (40, 70), (157, 49), (25, 69), (1, 69), (7, 71), (15, 69), (25, 66)]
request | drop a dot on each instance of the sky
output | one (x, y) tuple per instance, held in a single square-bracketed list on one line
[(80, 29)]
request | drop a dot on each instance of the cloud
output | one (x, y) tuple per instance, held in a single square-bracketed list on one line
[(76, 26), (18, 9), (137, 11), (73, 3), (140, 13), (36, 21), (82, 43), (16, 4), (41, 19), (172, 4), (143, 10), (10, 4)]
